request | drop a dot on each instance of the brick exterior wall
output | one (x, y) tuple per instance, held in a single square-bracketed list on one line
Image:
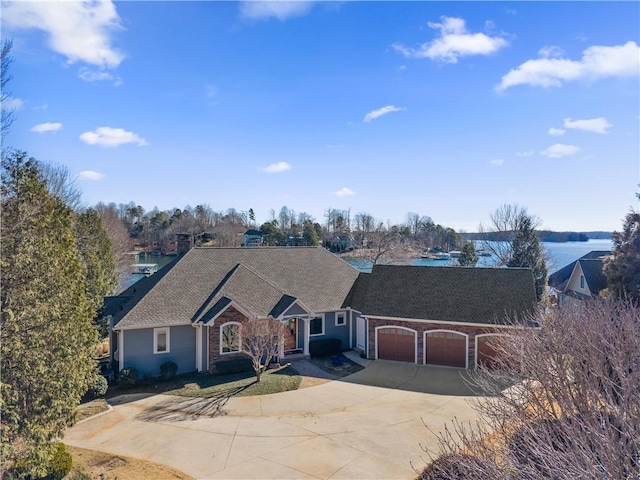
[(424, 327), (230, 315)]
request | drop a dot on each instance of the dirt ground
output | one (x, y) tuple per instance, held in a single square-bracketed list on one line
[(93, 464)]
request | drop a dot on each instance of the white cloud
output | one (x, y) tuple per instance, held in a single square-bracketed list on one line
[(498, 162), (455, 41), (12, 103), (46, 127), (343, 192), (89, 75), (112, 137), (560, 150), (282, 10), (380, 112), (597, 125), (81, 31), (525, 154), (90, 175), (277, 167), (556, 132), (597, 62), (551, 51)]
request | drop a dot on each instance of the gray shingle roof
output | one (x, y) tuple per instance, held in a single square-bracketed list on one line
[(454, 294), (202, 277), (560, 278), (593, 274)]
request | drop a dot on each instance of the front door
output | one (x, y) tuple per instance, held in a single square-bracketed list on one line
[(291, 338)]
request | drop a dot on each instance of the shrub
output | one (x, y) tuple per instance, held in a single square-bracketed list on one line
[(325, 347), (99, 386), (234, 365), (60, 463), (128, 376), (454, 466), (168, 370)]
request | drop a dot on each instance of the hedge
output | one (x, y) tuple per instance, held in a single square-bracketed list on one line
[(325, 347), (233, 365)]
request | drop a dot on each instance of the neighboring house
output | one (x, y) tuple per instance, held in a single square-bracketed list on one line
[(581, 279), (189, 312), (252, 238), (342, 243)]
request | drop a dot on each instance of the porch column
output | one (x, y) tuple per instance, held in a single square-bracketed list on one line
[(307, 322), (198, 348), (281, 348)]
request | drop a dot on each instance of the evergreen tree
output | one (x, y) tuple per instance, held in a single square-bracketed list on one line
[(526, 251), (468, 256), (47, 336), (310, 235), (623, 269), (513, 240), (95, 251)]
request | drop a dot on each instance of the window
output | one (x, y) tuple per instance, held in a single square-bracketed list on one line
[(230, 338), (161, 340), (581, 281), (341, 318), (316, 326)]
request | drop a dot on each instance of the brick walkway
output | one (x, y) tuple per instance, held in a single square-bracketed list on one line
[(307, 369)]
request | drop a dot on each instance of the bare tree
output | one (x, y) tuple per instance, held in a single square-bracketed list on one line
[(384, 246), (506, 220), (261, 339), (7, 113), (563, 401), (118, 234), (513, 240), (61, 184)]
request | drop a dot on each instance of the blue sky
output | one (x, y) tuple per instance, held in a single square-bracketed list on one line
[(445, 109)]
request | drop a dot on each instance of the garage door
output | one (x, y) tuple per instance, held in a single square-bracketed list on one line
[(486, 350), (447, 348), (397, 344)]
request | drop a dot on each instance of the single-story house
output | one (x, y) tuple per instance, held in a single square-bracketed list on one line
[(189, 312), (581, 279)]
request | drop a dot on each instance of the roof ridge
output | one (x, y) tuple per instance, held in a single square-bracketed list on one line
[(261, 277), (204, 306)]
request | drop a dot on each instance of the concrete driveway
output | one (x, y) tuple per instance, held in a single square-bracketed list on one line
[(365, 426)]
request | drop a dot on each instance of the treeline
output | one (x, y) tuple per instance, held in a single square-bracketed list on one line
[(547, 236), (339, 230)]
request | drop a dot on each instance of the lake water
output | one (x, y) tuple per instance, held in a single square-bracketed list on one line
[(560, 254), (129, 279)]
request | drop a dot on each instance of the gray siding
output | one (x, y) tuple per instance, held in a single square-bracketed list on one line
[(331, 330), (138, 350), (294, 310)]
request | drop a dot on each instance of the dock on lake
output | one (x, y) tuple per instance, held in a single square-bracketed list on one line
[(145, 268)]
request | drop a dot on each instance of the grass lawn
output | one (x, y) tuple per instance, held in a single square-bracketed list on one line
[(90, 464), (326, 363), (205, 385), (88, 409)]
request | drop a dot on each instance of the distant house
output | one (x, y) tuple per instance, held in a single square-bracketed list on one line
[(581, 279), (252, 238), (189, 312), (342, 243)]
